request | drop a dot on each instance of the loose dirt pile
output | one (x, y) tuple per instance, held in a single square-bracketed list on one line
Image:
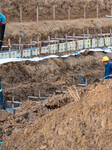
[(25, 79), (83, 122)]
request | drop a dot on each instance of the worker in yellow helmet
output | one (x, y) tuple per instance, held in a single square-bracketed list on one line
[(108, 68)]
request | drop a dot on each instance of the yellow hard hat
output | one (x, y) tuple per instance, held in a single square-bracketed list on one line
[(105, 58)]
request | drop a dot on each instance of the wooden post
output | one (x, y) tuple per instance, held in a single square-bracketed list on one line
[(38, 41), (84, 11), (12, 102), (110, 36), (19, 42), (97, 11), (91, 42), (21, 51), (40, 44), (111, 10), (69, 13), (9, 45), (104, 40), (87, 31), (0, 9), (66, 42), (21, 17), (49, 43), (37, 15), (97, 41), (101, 32), (58, 46), (54, 15), (74, 40), (31, 48), (39, 95), (73, 34), (84, 41), (76, 44)]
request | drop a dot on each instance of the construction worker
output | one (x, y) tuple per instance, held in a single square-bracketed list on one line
[(108, 68), (2, 101), (2, 28)]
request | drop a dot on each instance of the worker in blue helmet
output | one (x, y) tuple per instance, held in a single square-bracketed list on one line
[(2, 28)]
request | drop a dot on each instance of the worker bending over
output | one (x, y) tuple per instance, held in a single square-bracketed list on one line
[(2, 28), (108, 68)]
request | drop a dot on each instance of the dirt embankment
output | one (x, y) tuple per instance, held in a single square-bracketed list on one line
[(29, 9), (25, 79), (28, 31), (82, 122)]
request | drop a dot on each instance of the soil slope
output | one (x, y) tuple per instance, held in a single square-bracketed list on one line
[(25, 79), (43, 29), (11, 9), (82, 123)]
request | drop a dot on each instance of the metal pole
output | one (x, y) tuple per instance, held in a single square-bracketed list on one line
[(37, 15), (21, 17), (54, 15), (97, 11), (69, 13), (84, 11)]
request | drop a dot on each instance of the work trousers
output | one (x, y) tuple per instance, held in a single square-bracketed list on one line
[(2, 101), (2, 31)]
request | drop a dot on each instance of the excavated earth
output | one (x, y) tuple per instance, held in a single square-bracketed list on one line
[(11, 9), (23, 79), (80, 119), (29, 29)]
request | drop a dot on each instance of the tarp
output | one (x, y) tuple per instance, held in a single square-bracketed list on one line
[(8, 60)]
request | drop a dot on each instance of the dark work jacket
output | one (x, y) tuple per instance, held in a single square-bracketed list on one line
[(108, 71)]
